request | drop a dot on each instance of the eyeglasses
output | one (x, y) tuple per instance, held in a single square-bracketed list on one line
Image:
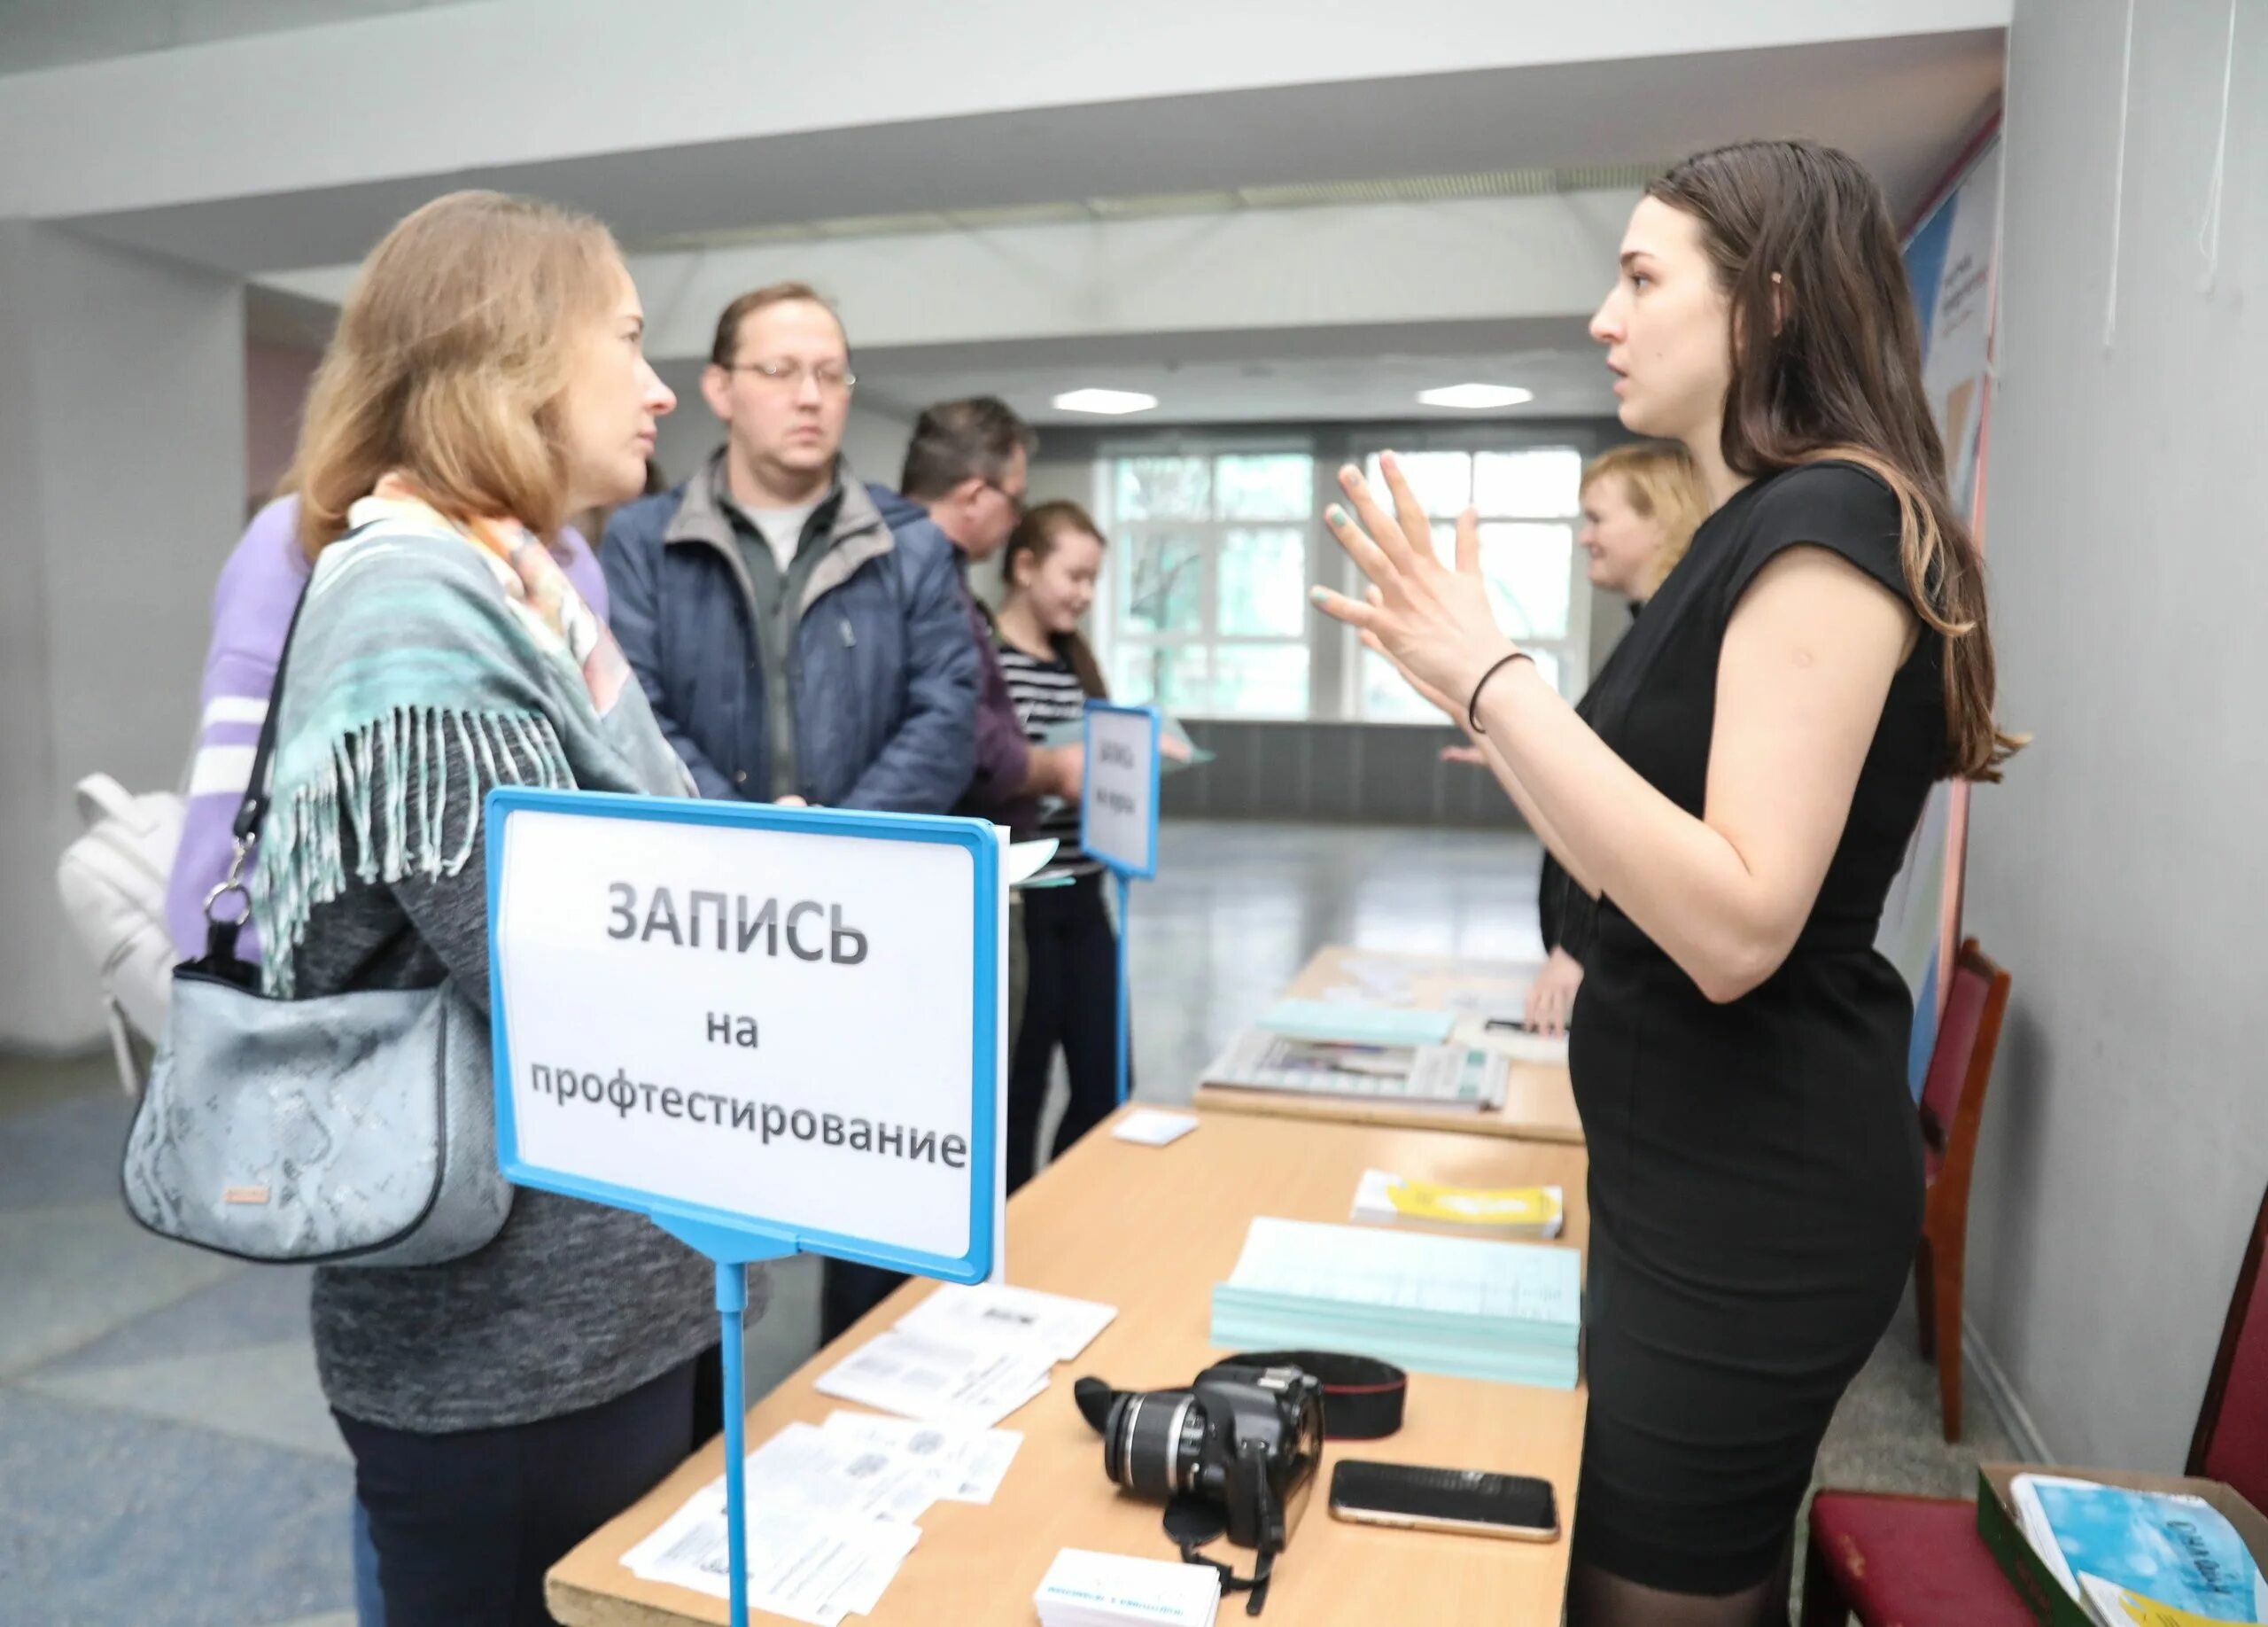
[(831, 379), (1017, 502)]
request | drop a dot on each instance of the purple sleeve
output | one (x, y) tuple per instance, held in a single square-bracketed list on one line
[(581, 565), (252, 610), (1003, 752)]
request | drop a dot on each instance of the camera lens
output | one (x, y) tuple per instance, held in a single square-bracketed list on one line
[(1152, 1440)]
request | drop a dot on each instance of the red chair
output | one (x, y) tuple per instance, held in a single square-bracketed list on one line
[(2232, 1440), (1953, 1105), (1918, 1561)]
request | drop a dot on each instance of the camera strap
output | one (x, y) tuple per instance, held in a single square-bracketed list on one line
[(1362, 1399), (1191, 1523)]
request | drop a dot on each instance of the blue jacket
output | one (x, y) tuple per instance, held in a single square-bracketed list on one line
[(882, 673)]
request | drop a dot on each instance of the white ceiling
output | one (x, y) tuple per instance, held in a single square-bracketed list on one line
[(1903, 105), (1566, 385), (1324, 374)]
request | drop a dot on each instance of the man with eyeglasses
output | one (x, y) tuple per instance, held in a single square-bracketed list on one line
[(968, 465), (802, 636)]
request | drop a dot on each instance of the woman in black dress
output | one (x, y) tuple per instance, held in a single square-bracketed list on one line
[(1738, 805), (1641, 504)]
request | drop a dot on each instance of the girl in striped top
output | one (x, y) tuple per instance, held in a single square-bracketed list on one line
[(1049, 566)]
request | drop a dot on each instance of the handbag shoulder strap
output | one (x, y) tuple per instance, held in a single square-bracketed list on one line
[(220, 936), (254, 806)]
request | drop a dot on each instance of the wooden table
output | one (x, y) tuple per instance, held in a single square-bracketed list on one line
[(1150, 1230), (1539, 1101)]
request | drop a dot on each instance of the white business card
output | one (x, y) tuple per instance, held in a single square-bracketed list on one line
[(1150, 1127)]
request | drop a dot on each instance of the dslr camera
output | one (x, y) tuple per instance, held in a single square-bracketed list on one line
[(1236, 1453)]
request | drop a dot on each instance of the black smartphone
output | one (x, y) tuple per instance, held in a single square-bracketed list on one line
[(1472, 1501)]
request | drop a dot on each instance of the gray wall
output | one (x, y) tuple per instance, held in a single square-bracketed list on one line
[(1379, 774), (123, 460), (2120, 874)]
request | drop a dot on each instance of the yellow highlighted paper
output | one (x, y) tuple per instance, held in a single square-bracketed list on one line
[(1522, 1206), (2125, 1605)]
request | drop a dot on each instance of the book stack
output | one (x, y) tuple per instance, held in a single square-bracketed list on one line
[(2140, 1557), (1509, 1311)]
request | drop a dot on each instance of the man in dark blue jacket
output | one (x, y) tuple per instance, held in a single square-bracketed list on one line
[(800, 643)]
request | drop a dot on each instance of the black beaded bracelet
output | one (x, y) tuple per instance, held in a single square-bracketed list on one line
[(1472, 706)]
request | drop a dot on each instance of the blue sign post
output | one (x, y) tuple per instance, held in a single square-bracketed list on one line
[(684, 999), (1118, 823)]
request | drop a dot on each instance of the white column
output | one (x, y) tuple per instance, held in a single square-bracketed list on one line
[(122, 490)]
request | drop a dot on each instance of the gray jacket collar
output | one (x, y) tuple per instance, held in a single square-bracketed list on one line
[(858, 535)]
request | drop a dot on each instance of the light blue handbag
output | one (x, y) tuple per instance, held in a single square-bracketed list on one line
[(350, 1130)]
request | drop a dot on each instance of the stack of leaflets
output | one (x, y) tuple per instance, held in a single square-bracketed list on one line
[(2161, 1559), (1470, 1309), (1337, 1022), (1386, 1199)]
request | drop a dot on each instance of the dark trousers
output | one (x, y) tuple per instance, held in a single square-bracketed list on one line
[(708, 1396), (1071, 1000), (467, 1523)]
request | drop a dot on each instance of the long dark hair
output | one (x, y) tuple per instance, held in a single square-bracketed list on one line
[(1827, 363), (1035, 534)]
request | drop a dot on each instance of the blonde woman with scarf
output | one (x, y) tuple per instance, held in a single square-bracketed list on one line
[(487, 378)]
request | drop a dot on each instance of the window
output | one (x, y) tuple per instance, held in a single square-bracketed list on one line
[(1203, 608), (1528, 504), (1207, 612)]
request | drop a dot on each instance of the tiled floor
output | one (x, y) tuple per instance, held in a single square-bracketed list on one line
[(165, 1460)]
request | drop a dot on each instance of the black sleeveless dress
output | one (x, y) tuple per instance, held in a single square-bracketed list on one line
[(1756, 1166)]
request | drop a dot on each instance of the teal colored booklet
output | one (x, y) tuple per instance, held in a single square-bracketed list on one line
[(2172, 1549)]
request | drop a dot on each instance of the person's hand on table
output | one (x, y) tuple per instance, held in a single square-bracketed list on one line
[(1551, 997), (1434, 623), (790, 802)]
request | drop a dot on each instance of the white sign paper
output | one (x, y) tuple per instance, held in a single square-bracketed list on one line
[(1119, 802), (968, 1464), (812, 1566), (994, 1313), (811, 1068), (944, 1381)]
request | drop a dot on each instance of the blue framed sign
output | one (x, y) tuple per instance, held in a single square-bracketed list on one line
[(1118, 825), (771, 1031), (771, 1024), (1118, 805)]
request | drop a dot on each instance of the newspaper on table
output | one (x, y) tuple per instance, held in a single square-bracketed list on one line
[(1444, 1076)]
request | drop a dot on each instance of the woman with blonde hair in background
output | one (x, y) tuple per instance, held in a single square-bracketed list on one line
[(486, 378)]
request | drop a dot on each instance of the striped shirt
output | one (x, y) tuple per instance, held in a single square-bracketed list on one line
[(1046, 695)]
